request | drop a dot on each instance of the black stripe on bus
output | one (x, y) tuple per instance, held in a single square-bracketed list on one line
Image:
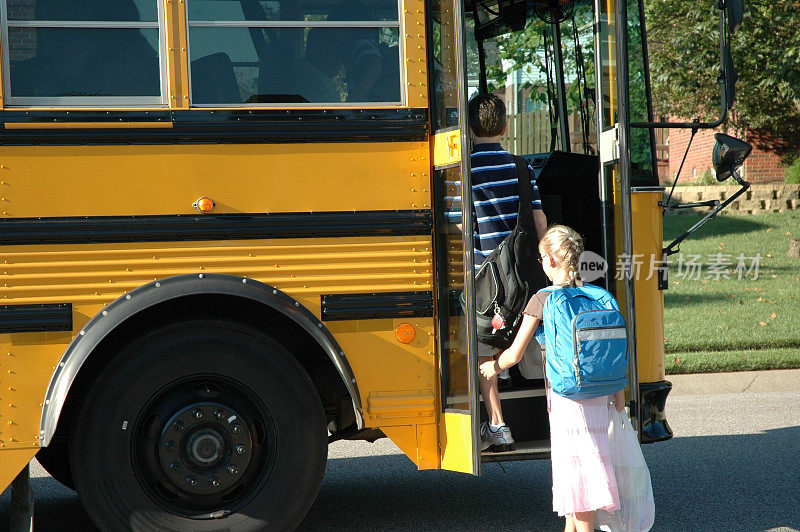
[(338, 307), (35, 318), (115, 229), (218, 126)]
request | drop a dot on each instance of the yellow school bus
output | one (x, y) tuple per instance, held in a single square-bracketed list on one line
[(228, 237)]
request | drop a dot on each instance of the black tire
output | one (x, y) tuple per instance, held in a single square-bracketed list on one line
[(55, 460), (171, 413)]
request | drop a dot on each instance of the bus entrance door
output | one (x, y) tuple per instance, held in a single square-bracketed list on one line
[(459, 416)]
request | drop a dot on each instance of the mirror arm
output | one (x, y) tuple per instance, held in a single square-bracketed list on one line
[(674, 247), (723, 93), (709, 203)]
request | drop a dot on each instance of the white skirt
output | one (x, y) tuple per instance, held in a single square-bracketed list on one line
[(583, 472)]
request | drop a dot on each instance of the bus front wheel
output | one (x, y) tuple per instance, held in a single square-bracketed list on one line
[(200, 425)]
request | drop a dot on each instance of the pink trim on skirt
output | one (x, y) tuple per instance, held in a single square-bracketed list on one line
[(583, 472)]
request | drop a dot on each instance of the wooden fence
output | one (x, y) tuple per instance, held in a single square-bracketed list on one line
[(527, 133)]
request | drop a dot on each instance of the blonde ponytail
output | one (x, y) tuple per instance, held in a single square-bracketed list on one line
[(565, 245)]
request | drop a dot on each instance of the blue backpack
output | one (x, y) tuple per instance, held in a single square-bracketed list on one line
[(586, 342)]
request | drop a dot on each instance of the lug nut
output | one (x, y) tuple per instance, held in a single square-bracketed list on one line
[(219, 414), (236, 429), (214, 481), (233, 470), (178, 425), (175, 466), (240, 449), (191, 480), (170, 445), (197, 413)]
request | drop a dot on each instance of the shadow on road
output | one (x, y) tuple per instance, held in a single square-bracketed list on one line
[(738, 482)]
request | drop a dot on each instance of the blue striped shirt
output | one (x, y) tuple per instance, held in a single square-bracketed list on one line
[(495, 198)]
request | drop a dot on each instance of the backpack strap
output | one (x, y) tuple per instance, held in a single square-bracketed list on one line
[(525, 214), (548, 390)]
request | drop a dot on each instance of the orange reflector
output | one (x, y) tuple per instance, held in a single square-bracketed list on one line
[(204, 205), (405, 333)]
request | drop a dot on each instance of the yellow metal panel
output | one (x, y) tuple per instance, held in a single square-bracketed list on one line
[(26, 363), (177, 55), (647, 245), (96, 274), (415, 53), (418, 442), (11, 463), (455, 445), (399, 379), (127, 180), (92, 275), (427, 447), (401, 408), (447, 148)]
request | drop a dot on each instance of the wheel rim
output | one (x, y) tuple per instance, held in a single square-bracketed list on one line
[(203, 446)]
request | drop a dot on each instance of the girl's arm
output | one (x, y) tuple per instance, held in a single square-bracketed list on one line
[(513, 354)]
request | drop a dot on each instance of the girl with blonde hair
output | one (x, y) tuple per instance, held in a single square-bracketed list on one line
[(583, 475)]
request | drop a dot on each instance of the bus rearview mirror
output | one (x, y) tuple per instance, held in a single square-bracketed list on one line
[(729, 155)]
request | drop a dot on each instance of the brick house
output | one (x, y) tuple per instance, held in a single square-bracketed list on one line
[(761, 167)]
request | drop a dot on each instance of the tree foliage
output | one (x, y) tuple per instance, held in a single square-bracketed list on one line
[(525, 50), (684, 58)]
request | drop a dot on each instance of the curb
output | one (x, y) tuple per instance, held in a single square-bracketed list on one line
[(779, 380)]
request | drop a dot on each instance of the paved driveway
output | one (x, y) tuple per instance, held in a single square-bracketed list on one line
[(734, 465)]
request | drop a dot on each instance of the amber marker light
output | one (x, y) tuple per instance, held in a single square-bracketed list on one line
[(405, 333), (204, 205)]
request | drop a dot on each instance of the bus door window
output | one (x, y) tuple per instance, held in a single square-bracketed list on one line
[(642, 141), (83, 52), (294, 52), (519, 66)]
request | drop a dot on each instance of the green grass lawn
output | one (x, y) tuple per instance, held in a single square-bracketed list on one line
[(716, 323)]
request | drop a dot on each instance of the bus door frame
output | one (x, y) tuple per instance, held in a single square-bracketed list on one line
[(467, 232), (459, 428), (615, 163)]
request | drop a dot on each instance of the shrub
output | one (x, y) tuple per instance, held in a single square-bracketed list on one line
[(707, 178), (793, 173)]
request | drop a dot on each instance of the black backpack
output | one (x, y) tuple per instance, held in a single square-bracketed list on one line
[(511, 275)]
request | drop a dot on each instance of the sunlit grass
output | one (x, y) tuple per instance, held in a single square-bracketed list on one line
[(711, 315)]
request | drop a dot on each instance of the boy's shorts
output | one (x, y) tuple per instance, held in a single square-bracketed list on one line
[(484, 351)]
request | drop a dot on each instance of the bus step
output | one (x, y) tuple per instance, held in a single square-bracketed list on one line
[(524, 450)]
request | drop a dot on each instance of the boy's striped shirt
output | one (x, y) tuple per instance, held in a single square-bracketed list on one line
[(495, 198)]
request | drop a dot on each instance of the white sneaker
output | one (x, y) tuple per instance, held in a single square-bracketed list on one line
[(496, 441)]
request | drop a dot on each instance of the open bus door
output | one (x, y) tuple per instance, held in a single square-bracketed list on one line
[(614, 131), (459, 437)]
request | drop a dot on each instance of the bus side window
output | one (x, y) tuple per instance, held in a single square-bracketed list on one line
[(327, 52), (83, 52)]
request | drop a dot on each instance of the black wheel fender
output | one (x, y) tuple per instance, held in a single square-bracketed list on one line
[(156, 292)]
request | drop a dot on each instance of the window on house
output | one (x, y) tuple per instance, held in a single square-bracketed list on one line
[(294, 52), (82, 52)]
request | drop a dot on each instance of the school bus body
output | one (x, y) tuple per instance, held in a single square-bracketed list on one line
[(323, 218)]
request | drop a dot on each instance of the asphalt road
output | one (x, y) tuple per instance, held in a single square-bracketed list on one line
[(733, 465)]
